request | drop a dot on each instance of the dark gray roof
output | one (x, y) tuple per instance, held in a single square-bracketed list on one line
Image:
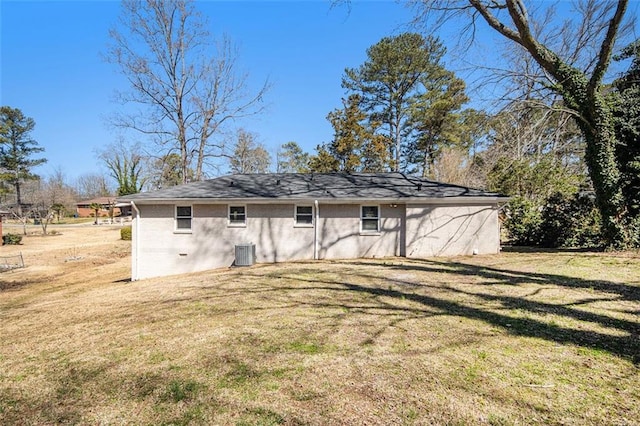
[(312, 186)]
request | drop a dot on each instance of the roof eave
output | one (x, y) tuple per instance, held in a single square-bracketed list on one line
[(381, 200)]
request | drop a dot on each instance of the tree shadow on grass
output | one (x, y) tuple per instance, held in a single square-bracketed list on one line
[(306, 285), (505, 276), (627, 345)]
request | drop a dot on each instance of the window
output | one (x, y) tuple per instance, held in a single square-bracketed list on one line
[(183, 218), (370, 219), (237, 215), (304, 216)]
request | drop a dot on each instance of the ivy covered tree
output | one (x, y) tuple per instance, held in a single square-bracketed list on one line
[(125, 164), (17, 149), (627, 127), (573, 57)]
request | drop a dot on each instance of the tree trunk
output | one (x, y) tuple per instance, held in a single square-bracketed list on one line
[(603, 169), (18, 196)]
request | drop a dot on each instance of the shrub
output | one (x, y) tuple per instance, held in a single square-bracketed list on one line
[(11, 239), (125, 233), (522, 222), (571, 221)]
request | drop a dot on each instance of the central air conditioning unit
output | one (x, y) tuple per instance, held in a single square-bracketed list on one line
[(245, 254)]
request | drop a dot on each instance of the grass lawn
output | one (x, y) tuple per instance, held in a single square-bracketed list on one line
[(518, 338)]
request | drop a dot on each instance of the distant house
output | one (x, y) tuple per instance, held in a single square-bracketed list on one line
[(198, 226), (83, 208)]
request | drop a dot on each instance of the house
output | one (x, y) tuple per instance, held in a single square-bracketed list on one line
[(197, 226), (83, 208)]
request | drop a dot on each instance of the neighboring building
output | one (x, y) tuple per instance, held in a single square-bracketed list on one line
[(197, 226), (83, 208)]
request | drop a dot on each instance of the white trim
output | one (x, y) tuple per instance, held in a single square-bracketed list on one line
[(362, 218), (236, 224), (295, 216), (177, 230)]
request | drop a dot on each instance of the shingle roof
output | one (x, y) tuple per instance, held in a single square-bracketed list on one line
[(315, 186)]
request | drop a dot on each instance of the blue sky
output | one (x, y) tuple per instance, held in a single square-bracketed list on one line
[(52, 67)]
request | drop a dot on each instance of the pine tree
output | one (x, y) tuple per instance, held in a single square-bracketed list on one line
[(16, 150)]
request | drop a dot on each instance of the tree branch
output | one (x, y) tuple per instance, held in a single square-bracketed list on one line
[(604, 57)]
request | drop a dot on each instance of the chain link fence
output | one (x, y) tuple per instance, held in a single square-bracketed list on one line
[(8, 263)]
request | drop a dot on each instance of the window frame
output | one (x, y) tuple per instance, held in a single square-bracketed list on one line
[(236, 224), (363, 219), (177, 218), (298, 224)]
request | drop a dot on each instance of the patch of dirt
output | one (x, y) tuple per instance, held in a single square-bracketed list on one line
[(74, 255)]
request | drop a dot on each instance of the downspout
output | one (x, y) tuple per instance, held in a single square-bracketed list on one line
[(315, 231), (136, 245)]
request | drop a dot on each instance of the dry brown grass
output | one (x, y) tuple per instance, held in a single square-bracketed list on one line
[(519, 338)]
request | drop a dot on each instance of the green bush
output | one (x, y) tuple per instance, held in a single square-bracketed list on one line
[(11, 239), (522, 222), (571, 221), (125, 233)]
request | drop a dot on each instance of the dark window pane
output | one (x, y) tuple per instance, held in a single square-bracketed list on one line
[(237, 214), (369, 224), (183, 211), (370, 211), (304, 215), (304, 219), (183, 224)]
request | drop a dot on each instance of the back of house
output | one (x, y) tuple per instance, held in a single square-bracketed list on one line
[(283, 217)]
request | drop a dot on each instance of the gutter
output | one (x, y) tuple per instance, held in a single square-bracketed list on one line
[(136, 235), (315, 231), (478, 200)]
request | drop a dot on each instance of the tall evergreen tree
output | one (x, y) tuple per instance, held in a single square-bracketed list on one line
[(348, 134), (356, 146), (323, 161), (408, 95), (292, 159), (17, 149), (435, 118), (389, 81)]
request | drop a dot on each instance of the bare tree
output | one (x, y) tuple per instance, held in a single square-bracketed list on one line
[(93, 185), (573, 57), (249, 156), (52, 196), (188, 85)]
